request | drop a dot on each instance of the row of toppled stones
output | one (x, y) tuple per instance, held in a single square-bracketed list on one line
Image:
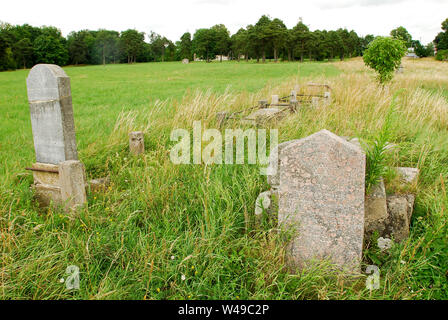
[(317, 187), (319, 180)]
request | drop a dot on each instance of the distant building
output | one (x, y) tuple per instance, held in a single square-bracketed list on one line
[(224, 58), (411, 54)]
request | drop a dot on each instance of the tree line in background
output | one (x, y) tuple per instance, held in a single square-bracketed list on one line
[(24, 46)]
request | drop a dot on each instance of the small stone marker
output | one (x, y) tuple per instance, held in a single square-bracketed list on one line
[(274, 99), (293, 104), (293, 95), (72, 181), (263, 104), (136, 142), (185, 61), (321, 195)]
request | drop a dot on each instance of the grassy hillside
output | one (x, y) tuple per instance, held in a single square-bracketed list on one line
[(163, 231)]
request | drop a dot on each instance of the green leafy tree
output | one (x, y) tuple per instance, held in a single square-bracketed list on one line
[(221, 39), (441, 40), (23, 51), (204, 44), (263, 36), (50, 47), (402, 34), (384, 56), (279, 36), (131, 43), (107, 45), (301, 36), (80, 47), (185, 46), (239, 44)]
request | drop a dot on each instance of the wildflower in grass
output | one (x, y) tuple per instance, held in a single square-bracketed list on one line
[(172, 257), (61, 280), (182, 277), (158, 289)]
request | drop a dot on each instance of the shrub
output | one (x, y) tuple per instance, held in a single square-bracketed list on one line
[(442, 55), (384, 56)]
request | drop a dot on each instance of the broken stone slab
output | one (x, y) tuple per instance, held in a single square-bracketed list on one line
[(400, 208), (376, 214), (100, 184), (51, 110), (262, 115), (136, 142), (321, 197), (47, 195), (408, 175), (46, 184), (72, 183)]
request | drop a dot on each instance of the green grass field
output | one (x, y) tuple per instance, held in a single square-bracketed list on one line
[(163, 231)]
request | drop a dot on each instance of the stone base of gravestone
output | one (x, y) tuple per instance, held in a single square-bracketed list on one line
[(72, 181), (46, 184), (47, 195)]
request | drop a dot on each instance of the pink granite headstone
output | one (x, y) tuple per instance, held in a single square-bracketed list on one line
[(321, 196)]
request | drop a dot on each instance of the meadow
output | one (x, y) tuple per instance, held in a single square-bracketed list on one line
[(165, 231)]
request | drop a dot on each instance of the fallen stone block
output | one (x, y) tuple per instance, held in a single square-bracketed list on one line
[(400, 209), (262, 115), (408, 175), (100, 184), (376, 214)]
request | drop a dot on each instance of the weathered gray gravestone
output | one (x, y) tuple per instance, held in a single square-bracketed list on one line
[(58, 175), (321, 195), (51, 114)]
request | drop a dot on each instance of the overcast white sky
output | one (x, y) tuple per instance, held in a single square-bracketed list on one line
[(172, 18)]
